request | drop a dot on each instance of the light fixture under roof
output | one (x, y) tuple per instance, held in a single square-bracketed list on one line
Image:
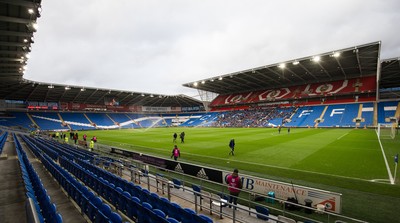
[(83, 89), (51, 86), (67, 88), (203, 82), (295, 62), (316, 58), (220, 78), (195, 84), (31, 11), (336, 54), (142, 95), (282, 65)]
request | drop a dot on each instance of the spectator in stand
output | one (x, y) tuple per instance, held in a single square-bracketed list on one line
[(234, 185), (176, 153)]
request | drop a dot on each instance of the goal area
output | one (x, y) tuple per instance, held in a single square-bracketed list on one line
[(386, 131)]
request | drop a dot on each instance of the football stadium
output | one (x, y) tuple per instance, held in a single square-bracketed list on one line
[(311, 139)]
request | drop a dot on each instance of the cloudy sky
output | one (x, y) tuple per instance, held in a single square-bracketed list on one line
[(156, 46)]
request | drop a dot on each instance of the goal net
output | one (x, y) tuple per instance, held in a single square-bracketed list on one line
[(386, 131)]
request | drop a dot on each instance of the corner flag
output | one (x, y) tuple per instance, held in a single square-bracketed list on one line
[(396, 158)]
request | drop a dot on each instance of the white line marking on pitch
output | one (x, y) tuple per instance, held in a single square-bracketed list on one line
[(266, 165), (342, 136), (386, 162)]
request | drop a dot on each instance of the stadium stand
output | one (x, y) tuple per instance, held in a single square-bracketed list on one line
[(48, 121), (76, 120), (387, 110)]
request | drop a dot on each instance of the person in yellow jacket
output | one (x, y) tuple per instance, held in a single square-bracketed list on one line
[(66, 139), (91, 146)]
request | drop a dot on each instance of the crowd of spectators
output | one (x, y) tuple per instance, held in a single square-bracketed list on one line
[(253, 117)]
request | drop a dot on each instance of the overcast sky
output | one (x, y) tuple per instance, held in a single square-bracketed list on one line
[(156, 46)]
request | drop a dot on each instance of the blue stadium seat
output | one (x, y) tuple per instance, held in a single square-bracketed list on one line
[(172, 220), (204, 219), (188, 215), (174, 211), (164, 205), (262, 210), (115, 218)]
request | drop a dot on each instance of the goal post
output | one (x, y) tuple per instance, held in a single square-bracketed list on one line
[(386, 131)]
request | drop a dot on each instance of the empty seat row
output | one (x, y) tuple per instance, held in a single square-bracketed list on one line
[(3, 139), (46, 211), (90, 204), (123, 195), (133, 200)]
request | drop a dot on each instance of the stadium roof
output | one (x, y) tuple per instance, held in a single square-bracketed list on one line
[(390, 78), (339, 64), (17, 27), (18, 24)]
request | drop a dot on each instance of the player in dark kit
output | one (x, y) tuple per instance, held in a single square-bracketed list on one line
[(182, 136), (175, 136), (232, 146)]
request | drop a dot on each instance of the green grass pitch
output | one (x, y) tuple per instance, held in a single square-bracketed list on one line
[(348, 161)]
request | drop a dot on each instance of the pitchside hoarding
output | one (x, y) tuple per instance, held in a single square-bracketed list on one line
[(331, 200)]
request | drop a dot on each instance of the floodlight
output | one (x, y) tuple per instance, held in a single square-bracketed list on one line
[(35, 25), (220, 78), (316, 58), (30, 11), (203, 82), (50, 86), (282, 65), (212, 80), (25, 40), (67, 88), (151, 95), (295, 62), (142, 95), (83, 89), (27, 56), (336, 54), (195, 84), (25, 67)]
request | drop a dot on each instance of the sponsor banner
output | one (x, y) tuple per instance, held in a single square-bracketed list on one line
[(196, 171), (189, 169), (141, 157), (331, 200), (156, 109)]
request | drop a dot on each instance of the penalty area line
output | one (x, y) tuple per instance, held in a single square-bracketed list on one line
[(342, 136)]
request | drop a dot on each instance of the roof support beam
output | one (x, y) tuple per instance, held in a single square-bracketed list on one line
[(21, 3), (94, 92), (15, 19), (13, 33), (13, 44), (101, 98), (308, 72), (358, 62), (341, 68), (323, 68)]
